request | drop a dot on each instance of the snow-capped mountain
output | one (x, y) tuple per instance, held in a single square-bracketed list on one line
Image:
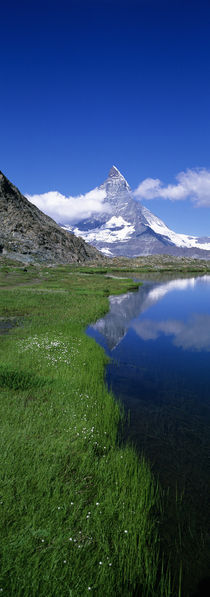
[(129, 229)]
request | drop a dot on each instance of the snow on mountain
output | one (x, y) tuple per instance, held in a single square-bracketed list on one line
[(116, 229), (181, 240), (130, 229)]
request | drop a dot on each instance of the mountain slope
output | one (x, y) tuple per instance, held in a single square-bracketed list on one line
[(130, 230), (28, 234)]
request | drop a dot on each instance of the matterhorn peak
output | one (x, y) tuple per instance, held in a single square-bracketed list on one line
[(116, 179), (115, 173), (127, 228)]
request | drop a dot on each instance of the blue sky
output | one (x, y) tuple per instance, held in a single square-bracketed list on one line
[(88, 84)]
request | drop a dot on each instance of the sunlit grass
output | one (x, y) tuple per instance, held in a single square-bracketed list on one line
[(80, 514)]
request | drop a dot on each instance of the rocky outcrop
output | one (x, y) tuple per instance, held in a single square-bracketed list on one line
[(29, 235)]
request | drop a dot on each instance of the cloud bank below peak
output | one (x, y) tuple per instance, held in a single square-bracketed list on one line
[(192, 184), (69, 210)]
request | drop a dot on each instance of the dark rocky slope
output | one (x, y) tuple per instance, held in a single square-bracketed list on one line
[(29, 235)]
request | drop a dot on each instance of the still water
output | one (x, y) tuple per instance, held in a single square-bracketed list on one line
[(158, 339)]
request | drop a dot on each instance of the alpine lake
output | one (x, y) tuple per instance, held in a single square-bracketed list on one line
[(158, 343)]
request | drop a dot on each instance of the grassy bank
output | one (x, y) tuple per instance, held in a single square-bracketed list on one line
[(80, 515), (152, 264)]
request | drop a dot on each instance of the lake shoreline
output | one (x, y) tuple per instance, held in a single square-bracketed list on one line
[(166, 425), (74, 502)]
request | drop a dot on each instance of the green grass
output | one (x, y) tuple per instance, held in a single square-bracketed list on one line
[(79, 513)]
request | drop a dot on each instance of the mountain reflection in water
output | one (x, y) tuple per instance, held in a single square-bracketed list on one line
[(125, 310), (158, 339)]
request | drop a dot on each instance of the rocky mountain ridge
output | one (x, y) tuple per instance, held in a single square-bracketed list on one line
[(29, 235)]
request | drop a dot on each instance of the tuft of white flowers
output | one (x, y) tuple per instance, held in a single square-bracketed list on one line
[(54, 349)]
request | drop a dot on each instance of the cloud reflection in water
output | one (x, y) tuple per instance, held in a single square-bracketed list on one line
[(126, 310), (193, 334)]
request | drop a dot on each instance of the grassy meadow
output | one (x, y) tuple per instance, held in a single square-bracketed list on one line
[(80, 514)]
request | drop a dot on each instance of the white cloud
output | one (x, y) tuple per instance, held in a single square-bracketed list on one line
[(192, 184), (68, 210)]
